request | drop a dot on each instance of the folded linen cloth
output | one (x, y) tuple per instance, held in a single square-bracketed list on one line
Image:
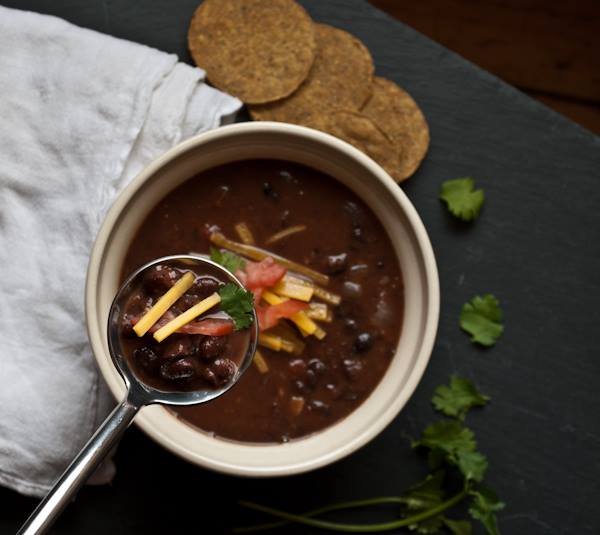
[(81, 113)]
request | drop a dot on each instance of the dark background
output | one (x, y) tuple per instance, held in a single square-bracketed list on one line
[(536, 246), (550, 49)]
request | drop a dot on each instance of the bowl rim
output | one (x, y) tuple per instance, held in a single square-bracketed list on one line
[(430, 276)]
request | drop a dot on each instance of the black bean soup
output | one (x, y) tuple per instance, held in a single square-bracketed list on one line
[(205, 354), (326, 338)]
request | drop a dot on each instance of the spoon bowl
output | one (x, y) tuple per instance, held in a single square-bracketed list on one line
[(139, 394), (146, 394)]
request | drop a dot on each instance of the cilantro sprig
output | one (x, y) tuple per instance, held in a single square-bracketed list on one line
[(452, 452), (458, 397), (462, 199), (484, 508), (238, 303), (230, 261), (481, 318)]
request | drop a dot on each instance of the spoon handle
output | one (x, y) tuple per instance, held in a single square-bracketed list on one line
[(80, 469)]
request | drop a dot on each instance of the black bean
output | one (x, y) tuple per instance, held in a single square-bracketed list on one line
[(288, 177), (139, 303), (297, 368), (350, 395), (182, 346), (319, 406), (363, 342), (301, 387), (204, 286), (310, 378), (269, 191), (224, 369), (336, 263), (285, 218), (352, 290), (317, 366), (209, 376), (352, 368), (212, 347), (127, 326), (178, 370), (146, 358), (380, 264), (334, 389), (188, 301), (352, 209), (160, 278), (350, 324), (358, 234)]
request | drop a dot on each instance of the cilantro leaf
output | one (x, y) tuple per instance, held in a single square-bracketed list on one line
[(230, 261), (472, 464), (425, 495), (458, 527), (481, 318), (463, 202), (435, 458), (449, 441), (484, 507), (448, 436), (457, 398), (238, 303)]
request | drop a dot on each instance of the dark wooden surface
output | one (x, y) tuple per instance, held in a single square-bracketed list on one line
[(536, 246), (549, 49)]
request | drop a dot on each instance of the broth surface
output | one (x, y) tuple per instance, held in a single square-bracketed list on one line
[(334, 375)]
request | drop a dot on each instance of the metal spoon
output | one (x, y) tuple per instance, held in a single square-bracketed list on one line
[(138, 395)]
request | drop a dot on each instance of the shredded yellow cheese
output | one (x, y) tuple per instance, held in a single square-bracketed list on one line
[(271, 298), (260, 362), (285, 233), (245, 234), (286, 288), (255, 253), (164, 304), (327, 296), (285, 332), (287, 346), (321, 293), (276, 343), (189, 315), (270, 341), (320, 333), (304, 323), (296, 405), (319, 312)]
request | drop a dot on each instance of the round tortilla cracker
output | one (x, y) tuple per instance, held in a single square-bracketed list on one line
[(257, 50), (340, 78), (398, 115), (361, 132)]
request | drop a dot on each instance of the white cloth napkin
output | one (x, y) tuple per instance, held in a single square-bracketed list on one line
[(80, 114)]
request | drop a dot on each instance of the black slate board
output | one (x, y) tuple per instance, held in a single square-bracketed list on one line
[(536, 246)]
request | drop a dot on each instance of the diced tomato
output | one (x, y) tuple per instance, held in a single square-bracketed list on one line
[(263, 274), (268, 316), (208, 327), (241, 274), (257, 294)]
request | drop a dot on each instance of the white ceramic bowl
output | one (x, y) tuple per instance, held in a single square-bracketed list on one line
[(374, 186)]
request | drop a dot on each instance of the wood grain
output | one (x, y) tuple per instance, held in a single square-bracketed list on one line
[(546, 47)]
